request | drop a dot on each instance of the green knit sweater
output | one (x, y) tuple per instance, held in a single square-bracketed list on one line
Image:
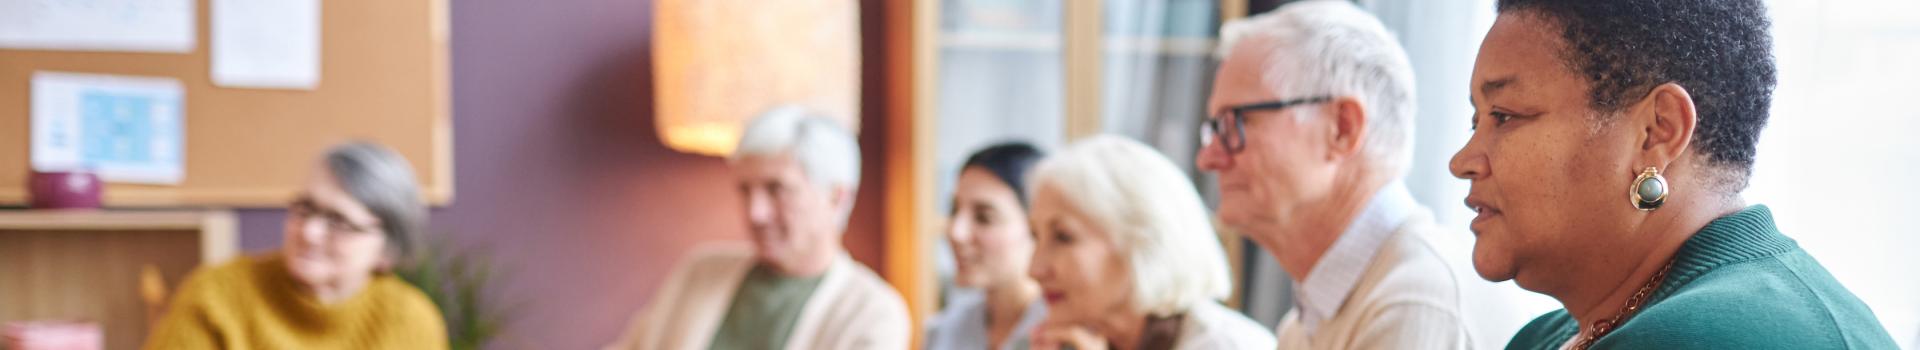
[(1737, 284)]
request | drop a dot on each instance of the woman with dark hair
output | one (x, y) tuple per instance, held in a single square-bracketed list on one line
[(1611, 142), (330, 286), (991, 247)]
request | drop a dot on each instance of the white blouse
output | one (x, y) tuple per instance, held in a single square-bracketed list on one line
[(1212, 326), (963, 325)]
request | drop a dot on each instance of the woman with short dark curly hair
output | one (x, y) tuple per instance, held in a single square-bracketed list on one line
[(1611, 142)]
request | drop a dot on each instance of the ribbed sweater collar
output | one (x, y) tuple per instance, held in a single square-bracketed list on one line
[(1746, 235)]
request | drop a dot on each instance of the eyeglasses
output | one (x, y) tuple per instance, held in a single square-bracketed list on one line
[(304, 209), (1215, 128)]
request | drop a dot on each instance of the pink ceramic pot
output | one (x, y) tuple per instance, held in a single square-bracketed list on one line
[(64, 189)]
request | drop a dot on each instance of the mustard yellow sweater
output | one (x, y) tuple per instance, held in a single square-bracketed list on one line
[(252, 303)]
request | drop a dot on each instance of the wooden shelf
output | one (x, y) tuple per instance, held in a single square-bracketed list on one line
[(216, 227), (89, 219), (87, 265)]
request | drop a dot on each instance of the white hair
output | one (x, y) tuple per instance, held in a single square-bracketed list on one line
[(827, 153), (1331, 47), (1152, 212)]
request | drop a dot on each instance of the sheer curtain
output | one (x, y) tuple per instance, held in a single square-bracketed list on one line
[(1838, 162), (1158, 71)]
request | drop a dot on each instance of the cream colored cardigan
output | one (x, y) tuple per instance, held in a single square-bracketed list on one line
[(1408, 298), (851, 309)]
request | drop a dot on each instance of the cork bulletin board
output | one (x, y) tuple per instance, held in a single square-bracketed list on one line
[(383, 78)]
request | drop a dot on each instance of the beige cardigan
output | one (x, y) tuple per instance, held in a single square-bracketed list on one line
[(1408, 298), (851, 309)]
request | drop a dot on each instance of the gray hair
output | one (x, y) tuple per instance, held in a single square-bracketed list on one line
[(1149, 207), (383, 181), (1335, 48), (828, 154)]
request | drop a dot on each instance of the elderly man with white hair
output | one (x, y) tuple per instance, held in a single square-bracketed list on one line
[(1310, 137), (1125, 255), (794, 288)]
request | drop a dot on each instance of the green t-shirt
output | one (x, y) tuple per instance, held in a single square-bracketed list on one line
[(763, 311)]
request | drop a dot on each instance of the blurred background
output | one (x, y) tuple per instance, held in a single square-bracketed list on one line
[(539, 131)]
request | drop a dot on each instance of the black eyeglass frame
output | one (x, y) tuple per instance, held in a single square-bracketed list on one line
[(1211, 129)]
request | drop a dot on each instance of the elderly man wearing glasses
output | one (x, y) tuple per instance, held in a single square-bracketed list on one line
[(1310, 136)]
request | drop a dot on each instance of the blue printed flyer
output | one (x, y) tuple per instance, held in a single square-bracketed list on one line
[(126, 129)]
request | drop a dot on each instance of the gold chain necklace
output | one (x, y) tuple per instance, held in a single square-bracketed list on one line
[(1600, 329)]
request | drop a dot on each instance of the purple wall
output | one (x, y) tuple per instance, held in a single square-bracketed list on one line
[(560, 175)]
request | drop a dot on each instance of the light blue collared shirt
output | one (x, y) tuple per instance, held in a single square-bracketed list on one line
[(963, 325), (1339, 269)]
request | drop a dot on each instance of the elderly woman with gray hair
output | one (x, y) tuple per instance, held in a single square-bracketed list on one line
[(330, 285), (1126, 255)]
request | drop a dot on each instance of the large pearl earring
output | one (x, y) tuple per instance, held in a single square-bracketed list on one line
[(1649, 190)]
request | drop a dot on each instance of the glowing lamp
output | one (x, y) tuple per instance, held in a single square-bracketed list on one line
[(719, 63)]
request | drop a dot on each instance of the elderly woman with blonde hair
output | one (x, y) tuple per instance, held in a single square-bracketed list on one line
[(1125, 255)]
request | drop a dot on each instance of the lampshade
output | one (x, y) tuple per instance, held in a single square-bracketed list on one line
[(719, 63)]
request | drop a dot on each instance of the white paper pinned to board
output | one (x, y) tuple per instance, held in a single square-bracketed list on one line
[(98, 25), (126, 129), (271, 44)]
